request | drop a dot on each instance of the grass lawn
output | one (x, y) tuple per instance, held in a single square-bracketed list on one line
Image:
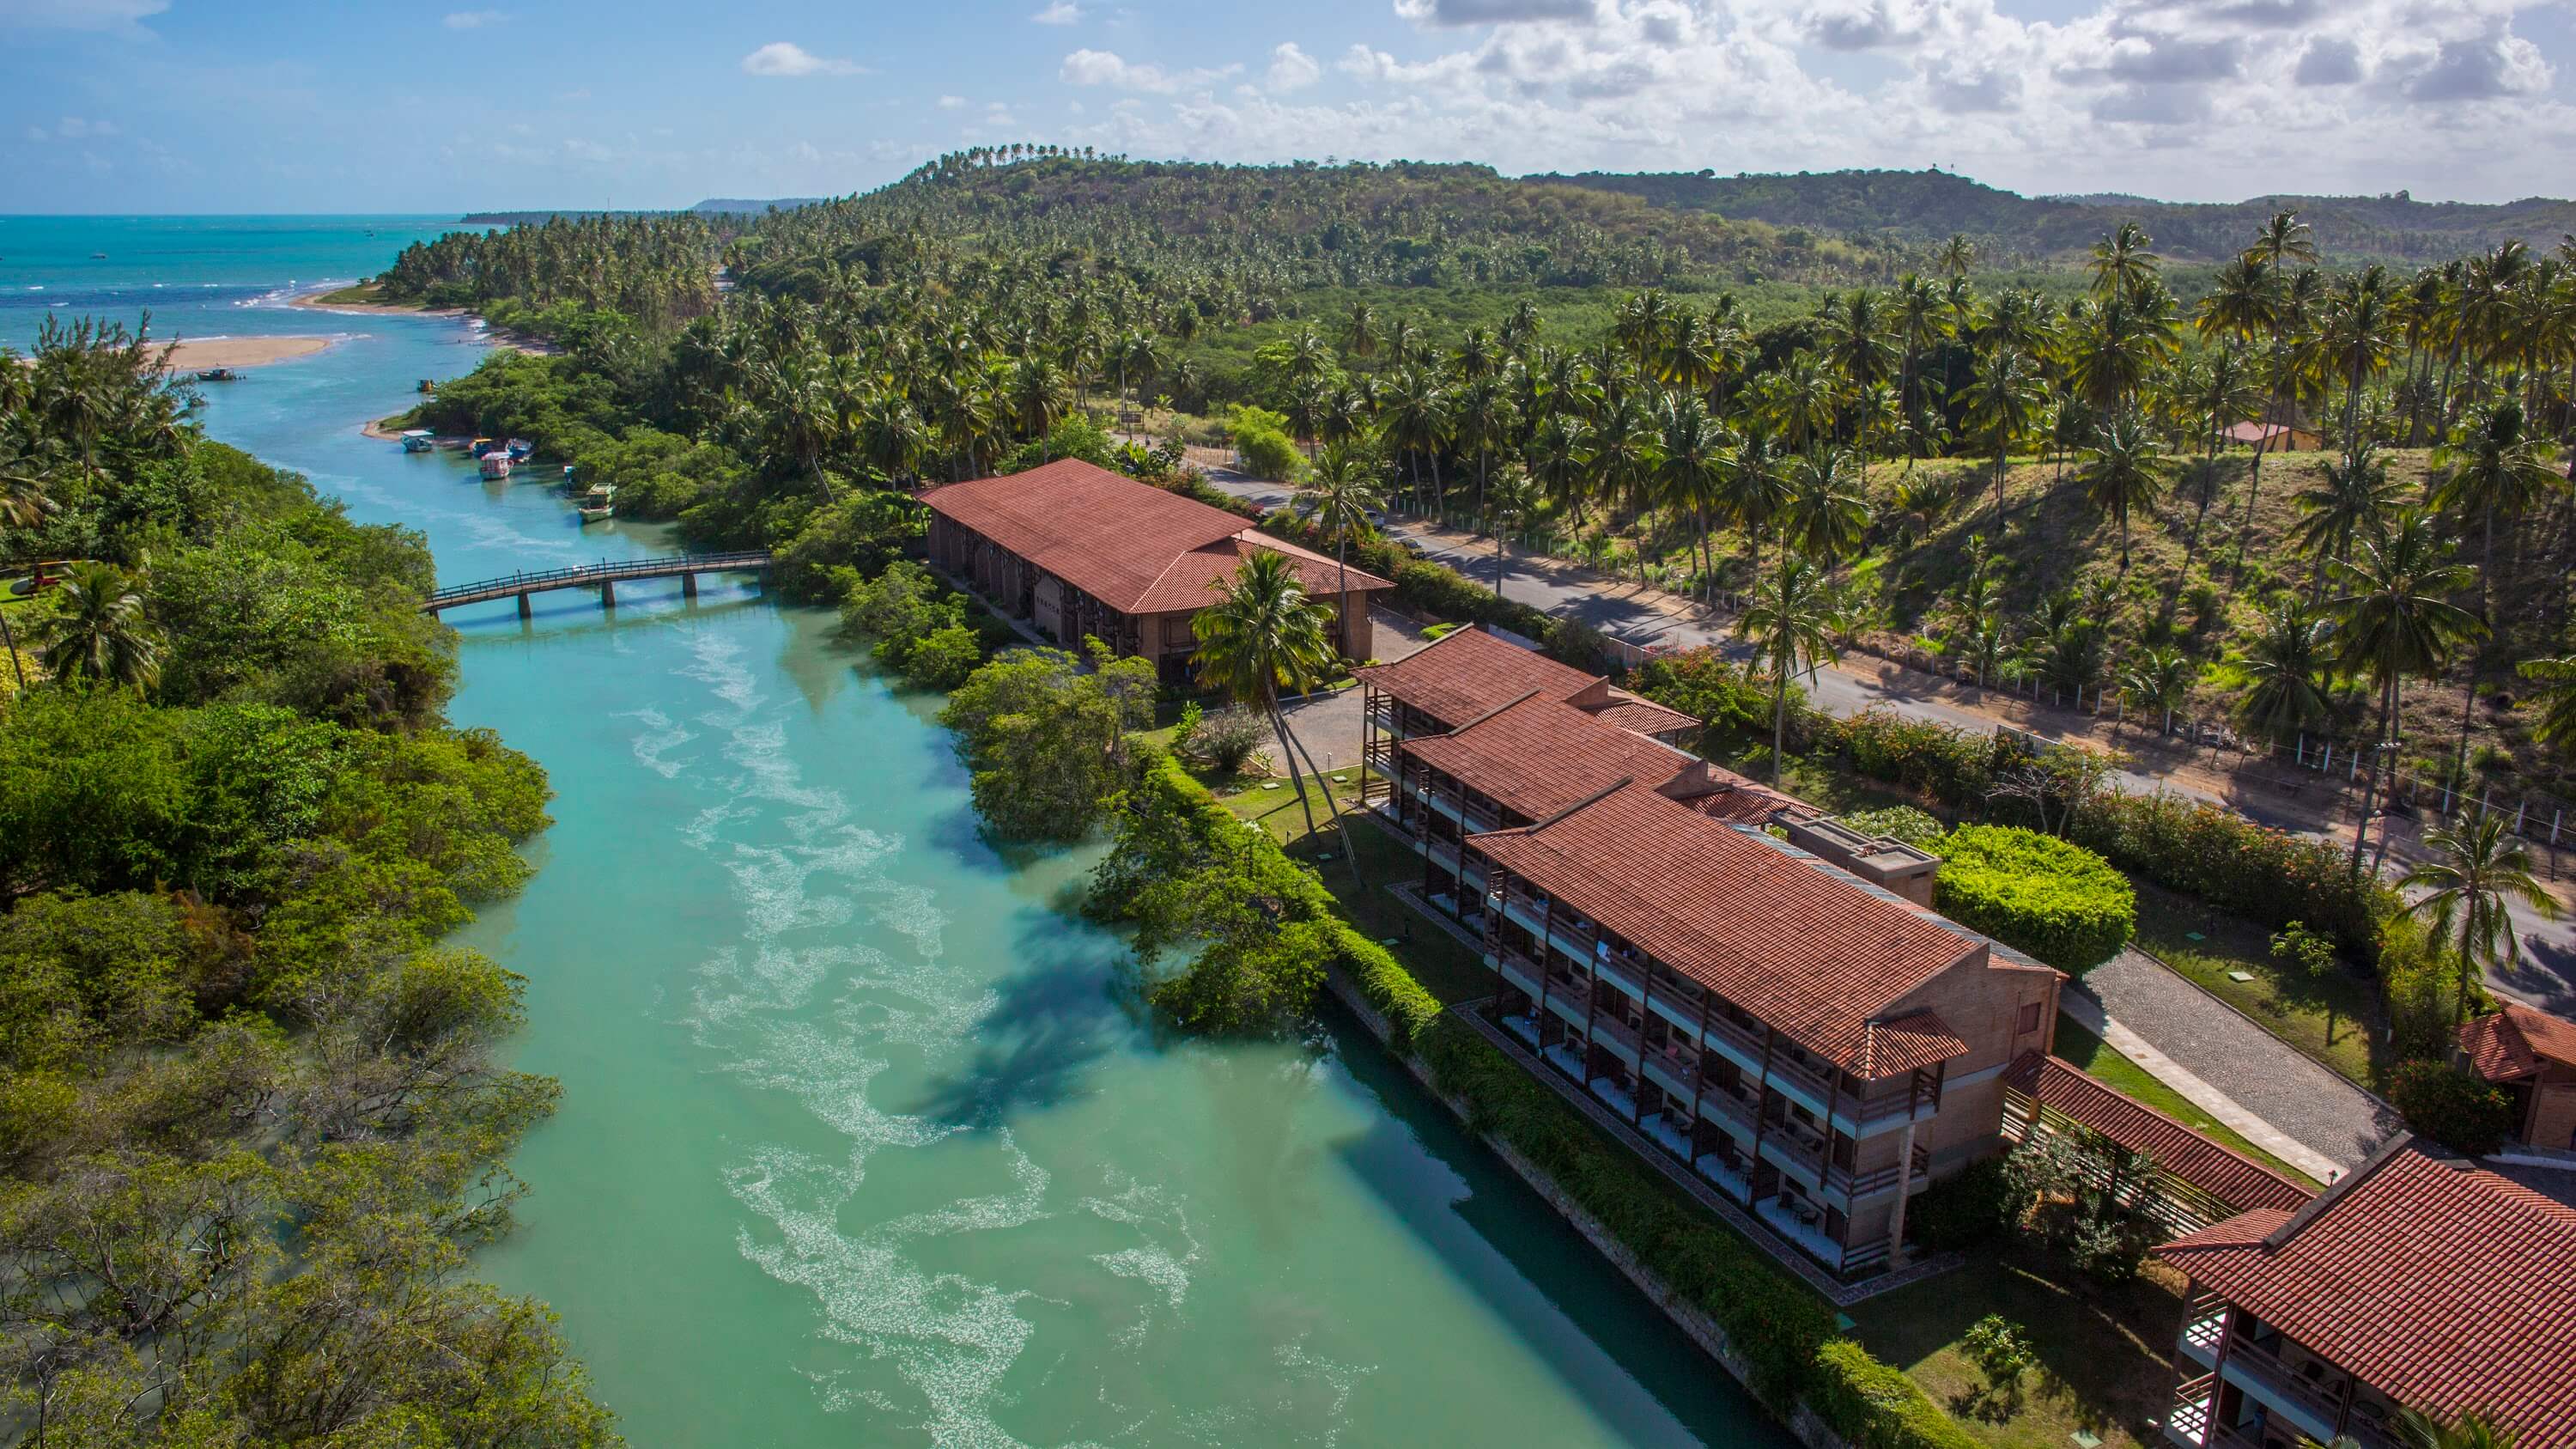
[(364, 294), (2105, 1353), (2086, 1052), (2326, 1017)]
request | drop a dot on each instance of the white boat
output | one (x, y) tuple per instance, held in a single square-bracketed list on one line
[(599, 504), (418, 440), (496, 465)]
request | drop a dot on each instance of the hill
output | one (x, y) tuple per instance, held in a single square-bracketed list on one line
[(1917, 208)]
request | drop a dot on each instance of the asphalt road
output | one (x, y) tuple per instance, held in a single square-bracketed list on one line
[(2546, 977)]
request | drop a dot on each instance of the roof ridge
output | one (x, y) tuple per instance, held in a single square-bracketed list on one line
[(2337, 1190), (1513, 703), (1595, 798)]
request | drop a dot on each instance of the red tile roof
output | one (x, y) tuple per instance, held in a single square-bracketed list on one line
[(1131, 545), (1818, 957), (2225, 1174), (1537, 756), (2514, 1042), (2443, 1285), (1470, 672), (1644, 716)]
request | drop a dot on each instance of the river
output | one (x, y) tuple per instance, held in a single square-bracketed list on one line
[(858, 1142)]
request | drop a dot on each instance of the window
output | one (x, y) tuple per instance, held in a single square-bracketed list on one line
[(2029, 1017)]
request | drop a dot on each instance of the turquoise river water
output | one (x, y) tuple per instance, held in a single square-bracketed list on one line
[(858, 1143)]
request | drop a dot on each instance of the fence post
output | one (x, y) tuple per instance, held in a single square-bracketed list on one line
[(2518, 809), (2553, 825)]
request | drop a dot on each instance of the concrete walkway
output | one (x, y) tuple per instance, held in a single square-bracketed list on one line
[(2231, 1068)]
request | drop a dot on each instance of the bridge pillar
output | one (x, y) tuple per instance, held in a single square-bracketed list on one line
[(524, 611), (608, 593), (688, 586)]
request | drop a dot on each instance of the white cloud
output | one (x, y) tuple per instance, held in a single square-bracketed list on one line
[(473, 19), (1494, 12), (952, 103), (1291, 69), (1106, 68), (784, 58), (1062, 12), (123, 17), (73, 128)]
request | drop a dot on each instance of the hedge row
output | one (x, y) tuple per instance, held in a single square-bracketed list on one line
[(2049, 897), (1784, 1334)]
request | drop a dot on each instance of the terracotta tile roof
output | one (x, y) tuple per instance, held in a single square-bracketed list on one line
[(1537, 756), (1817, 956), (1469, 672), (2225, 1174), (2513, 1043), (1132, 546), (1644, 716), (2441, 1284), (1918, 1039), (1744, 802)]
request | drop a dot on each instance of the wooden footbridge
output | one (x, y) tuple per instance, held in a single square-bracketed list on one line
[(603, 576)]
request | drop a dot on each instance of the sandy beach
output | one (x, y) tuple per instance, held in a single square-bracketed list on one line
[(242, 351), (312, 302)]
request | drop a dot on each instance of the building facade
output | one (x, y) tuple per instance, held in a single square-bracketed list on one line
[(2530, 1056), (1081, 552)]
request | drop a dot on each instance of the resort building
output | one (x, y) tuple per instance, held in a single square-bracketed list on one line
[(2197, 1182), (1784, 1018), (2531, 1057), (1078, 550), (2422, 1281)]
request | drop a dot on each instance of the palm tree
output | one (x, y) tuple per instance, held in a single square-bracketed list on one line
[(1359, 332), (2003, 402), (2557, 680), (2353, 498), (2285, 663), (2478, 871), (1756, 485), (1515, 502), (2122, 261), (1827, 516), (2158, 679), (1690, 473), (2396, 619), (1956, 257), (2472, 1430), (2497, 467), (1264, 635), (1340, 495), (1791, 623), (1414, 415), (1038, 398), (1560, 460), (26, 481), (2127, 472), (99, 633)]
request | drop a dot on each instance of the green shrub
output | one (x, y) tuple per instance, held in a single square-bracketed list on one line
[(2049, 897), (1897, 822), (1972, 1208), (1267, 453), (943, 659), (2462, 1112), (1874, 1406)]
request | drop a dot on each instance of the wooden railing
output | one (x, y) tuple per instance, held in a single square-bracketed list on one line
[(592, 575)]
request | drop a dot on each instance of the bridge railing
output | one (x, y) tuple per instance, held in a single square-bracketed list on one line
[(663, 566)]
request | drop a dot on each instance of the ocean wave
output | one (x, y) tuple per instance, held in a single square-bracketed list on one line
[(659, 737)]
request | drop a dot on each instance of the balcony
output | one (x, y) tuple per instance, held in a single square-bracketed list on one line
[(1662, 1131), (1736, 1105), (2310, 1396), (1878, 1179), (1617, 1035), (2188, 1423), (1802, 1224)]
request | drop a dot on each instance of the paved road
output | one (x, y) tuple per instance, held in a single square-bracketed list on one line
[(1646, 617)]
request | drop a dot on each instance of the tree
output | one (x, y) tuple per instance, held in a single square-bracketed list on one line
[(2479, 870), (2127, 471), (1791, 623), (2397, 620), (2123, 262), (2286, 663), (2158, 679), (1264, 635), (2003, 402), (2353, 500), (99, 632), (1043, 737), (1340, 499), (1515, 502)]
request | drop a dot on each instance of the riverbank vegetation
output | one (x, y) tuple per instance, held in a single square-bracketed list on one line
[(252, 1120)]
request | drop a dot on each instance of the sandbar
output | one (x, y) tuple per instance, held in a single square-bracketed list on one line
[(189, 355)]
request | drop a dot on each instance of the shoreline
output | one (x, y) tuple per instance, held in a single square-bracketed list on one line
[(501, 337)]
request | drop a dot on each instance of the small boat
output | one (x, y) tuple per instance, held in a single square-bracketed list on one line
[(217, 374), (599, 504), (521, 450), (495, 465), (98, 256), (418, 440), (427, 386)]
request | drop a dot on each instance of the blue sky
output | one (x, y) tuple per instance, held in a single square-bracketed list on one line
[(302, 106)]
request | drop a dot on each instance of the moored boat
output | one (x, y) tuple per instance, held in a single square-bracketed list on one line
[(217, 374), (599, 504), (428, 385), (418, 440), (495, 464), (521, 450)]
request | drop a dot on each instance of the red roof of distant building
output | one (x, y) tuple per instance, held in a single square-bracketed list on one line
[(1819, 957), (1134, 547), (2514, 1042), (2225, 1174), (2252, 432), (2437, 1282)]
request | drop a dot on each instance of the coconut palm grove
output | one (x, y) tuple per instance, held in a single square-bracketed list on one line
[(1973, 789)]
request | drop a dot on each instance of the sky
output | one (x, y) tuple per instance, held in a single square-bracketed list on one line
[(283, 106)]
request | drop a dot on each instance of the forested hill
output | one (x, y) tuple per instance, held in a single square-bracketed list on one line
[(1915, 208), (1352, 224)]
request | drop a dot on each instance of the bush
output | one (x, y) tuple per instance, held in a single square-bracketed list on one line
[(1225, 740), (1875, 1406), (1897, 822), (1970, 1209), (1268, 454), (944, 659), (2462, 1112), (2049, 897)]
